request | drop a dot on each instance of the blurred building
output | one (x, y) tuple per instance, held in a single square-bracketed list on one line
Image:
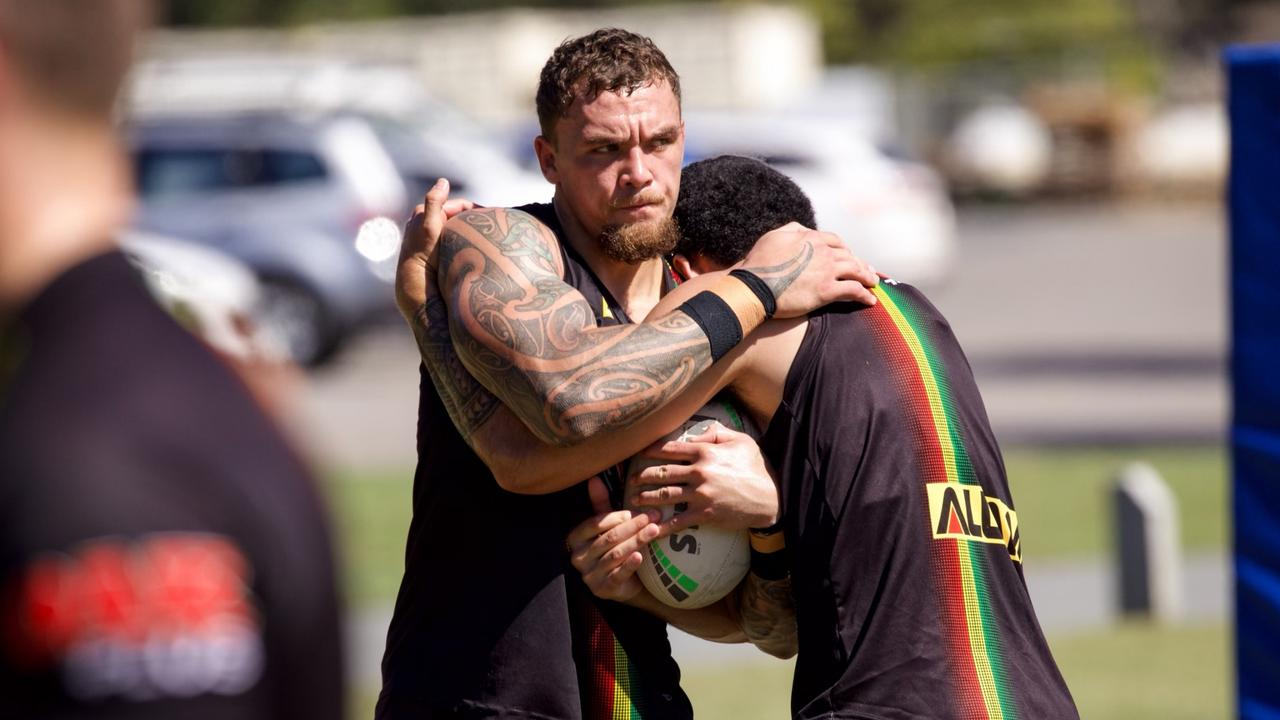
[(729, 57)]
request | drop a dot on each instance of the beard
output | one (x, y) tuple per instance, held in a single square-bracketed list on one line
[(637, 242)]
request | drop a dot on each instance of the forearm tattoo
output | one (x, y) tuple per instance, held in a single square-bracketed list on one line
[(768, 614), (779, 277), (468, 403), (532, 339)]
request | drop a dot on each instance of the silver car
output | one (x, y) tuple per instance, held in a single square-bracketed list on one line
[(892, 212), (287, 195)]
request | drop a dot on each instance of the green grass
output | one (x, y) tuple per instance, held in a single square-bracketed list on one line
[(758, 690), (1134, 671), (371, 513), (1063, 496), (1139, 670)]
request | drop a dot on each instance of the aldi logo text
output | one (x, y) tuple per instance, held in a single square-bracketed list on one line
[(964, 512)]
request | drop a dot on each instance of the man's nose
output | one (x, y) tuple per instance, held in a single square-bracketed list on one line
[(636, 171)]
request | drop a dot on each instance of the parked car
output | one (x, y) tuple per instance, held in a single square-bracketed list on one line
[(215, 296), (426, 136), (287, 194), (445, 146), (893, 212)]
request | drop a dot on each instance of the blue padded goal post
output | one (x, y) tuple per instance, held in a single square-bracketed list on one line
[(1253, 80)]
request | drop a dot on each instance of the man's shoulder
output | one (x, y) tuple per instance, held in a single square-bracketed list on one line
[(123, 379), (541, 216), (530, 236), (544, 213), (912, 302), (500, 223)]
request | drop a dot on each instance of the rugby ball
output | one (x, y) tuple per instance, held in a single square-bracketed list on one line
[(698, 565)]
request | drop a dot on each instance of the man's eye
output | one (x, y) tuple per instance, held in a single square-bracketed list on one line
[(605, 149)]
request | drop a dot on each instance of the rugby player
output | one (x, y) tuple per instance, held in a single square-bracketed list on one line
[(532, 370), (901, 535)]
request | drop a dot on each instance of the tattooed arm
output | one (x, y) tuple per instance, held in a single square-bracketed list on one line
[(469, 405), (519, 461), (766, 612), (761, 612), (531, 339)]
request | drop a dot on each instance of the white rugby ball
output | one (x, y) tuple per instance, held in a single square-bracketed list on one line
[(698, 565)]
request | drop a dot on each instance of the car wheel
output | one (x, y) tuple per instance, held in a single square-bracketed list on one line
[(298, 320)]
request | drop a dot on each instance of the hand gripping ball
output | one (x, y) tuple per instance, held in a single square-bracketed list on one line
[(698, 565)]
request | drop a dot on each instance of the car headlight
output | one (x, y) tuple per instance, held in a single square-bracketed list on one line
[(378, 241)]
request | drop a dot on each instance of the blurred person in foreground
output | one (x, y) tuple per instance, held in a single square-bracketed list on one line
[(534, 370), (163, 552), (898, 530)]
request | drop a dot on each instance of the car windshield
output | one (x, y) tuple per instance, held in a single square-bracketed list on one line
[(177, 171)]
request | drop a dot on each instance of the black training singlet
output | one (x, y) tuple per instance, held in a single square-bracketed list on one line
[(163, 552), (491, 620), (904, 541)]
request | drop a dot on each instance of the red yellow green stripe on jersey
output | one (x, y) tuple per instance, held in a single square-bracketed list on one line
[(979, 675), (613, 690)]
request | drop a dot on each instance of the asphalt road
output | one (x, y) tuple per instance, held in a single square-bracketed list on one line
[(1095, 323), (1086, 323)]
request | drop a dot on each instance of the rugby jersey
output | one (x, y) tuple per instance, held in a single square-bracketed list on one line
[(491, 619), (904, 540)]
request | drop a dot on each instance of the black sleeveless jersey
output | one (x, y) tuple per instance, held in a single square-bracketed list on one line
[(491, 619), (903, 538)]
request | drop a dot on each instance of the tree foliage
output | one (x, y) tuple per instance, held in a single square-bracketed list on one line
[(273, 13)]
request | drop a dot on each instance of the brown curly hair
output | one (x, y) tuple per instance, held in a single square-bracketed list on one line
[(607, 60)]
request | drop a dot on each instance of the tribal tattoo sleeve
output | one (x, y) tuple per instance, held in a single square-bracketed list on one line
[(531, 339), (468, 403)]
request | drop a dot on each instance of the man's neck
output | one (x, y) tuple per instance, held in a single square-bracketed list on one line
[(63, 195), (636, 287)]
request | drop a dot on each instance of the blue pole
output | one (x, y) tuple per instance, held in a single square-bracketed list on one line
[(1253, 74)]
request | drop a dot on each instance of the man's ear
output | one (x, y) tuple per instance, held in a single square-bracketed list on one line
[(683, 266), (546, 153)]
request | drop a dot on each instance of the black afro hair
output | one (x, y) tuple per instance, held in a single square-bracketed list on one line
[(726, 203)]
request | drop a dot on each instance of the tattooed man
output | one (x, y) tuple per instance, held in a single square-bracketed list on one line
[(535, 378), (900, 534)]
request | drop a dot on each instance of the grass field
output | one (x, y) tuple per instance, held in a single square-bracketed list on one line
[(371, 513), (1130, 672), (1061, 496)]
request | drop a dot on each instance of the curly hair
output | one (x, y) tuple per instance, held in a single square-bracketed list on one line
[(726, 203), (607, 60)]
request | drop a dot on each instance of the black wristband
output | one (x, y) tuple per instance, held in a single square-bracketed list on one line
[(718, 321), (760, 289), (764, 532), (770, 566)]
